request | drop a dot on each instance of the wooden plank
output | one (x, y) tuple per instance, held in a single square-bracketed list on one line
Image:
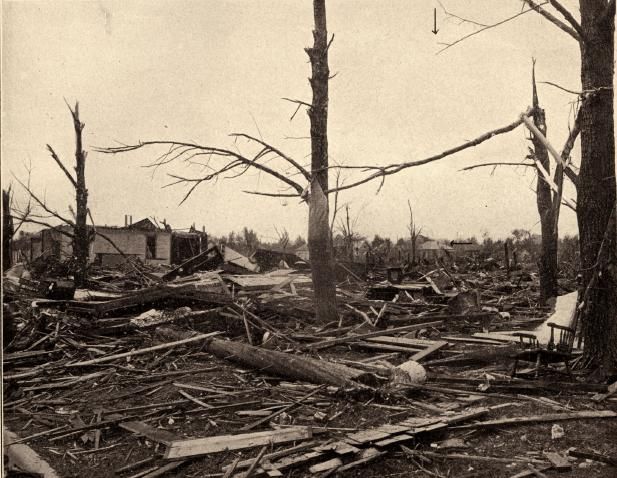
[(155, 348), (612, 389), (272, 456), (293, 460), (550, 417), (365, 436), (391, 429), (326, 465), (559, 462), (472, 340), (589, 455), (393, 348), (155, 434), (429, 350), (338, 447), (351, 338), (411, 343), (204, 446), (395, 439), (366, 456), (526, 473)]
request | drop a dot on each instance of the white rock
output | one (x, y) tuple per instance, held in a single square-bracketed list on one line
[(413, 373)]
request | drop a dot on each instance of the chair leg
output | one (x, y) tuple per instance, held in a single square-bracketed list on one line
[(568, 369), (537, 365), (513, 373)]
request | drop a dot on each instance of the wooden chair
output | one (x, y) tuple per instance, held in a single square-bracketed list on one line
[(558, 349)]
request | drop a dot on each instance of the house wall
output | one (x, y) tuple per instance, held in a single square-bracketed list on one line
[(163, 247), (132, 243)]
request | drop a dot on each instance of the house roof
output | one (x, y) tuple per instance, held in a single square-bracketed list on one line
[(435, 246)]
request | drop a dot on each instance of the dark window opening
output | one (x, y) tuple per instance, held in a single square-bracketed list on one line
[(151, 247)]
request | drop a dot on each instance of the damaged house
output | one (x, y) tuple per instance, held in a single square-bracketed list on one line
[(141, 240)]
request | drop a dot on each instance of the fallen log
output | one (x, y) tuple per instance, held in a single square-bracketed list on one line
[(277, 363)]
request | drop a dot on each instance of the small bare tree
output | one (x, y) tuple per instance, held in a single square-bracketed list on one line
[(414, 232)]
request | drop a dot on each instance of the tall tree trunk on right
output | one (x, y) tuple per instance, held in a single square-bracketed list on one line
[(547, 265), (596, 184), (320, 247)]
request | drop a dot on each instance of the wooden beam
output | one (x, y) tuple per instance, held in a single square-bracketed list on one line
[(216, 444)]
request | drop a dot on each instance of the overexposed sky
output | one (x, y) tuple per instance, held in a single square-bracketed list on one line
[(200, 70)]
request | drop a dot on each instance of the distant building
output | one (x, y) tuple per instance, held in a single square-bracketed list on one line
[(431, 250), (302, 252), (465, 249), (142, 240), (275, 258)]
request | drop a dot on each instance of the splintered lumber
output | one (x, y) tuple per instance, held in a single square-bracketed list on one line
[(326, 466), (589, 455), (155, 434), (419, 348), (429, 350), (551, 417), (461, 456), (256, 461), (277, 363), (487, 355), (267, 419), (163, 469), (612, 389), (559, 462), (270, 456), (366, 456), (349, 338), (534, 472), (146, 350), (216, 444)]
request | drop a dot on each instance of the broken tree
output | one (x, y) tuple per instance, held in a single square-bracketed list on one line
[(320, 246)]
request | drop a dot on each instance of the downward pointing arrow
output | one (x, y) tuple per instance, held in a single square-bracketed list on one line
[(434, 30)]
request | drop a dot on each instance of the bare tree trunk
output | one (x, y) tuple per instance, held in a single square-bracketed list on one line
[(547, 265), (7, 229), (81, 240), (320, 247), (596, 184), (506, 253)]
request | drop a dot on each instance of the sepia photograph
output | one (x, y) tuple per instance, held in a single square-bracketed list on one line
[(330, 238)]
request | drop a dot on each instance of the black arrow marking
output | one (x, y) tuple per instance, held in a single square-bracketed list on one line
[(434, 30)]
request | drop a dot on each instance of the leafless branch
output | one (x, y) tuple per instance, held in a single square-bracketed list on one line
[(383, 171), (30, 220), (462, 19), (61, 166), (278, 152), (469, 168), (273, 195), (179, 150), (449, 45), (43, 205), (569, 17), (553, 19)]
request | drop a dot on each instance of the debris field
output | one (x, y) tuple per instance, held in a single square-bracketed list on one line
[(203, 373)]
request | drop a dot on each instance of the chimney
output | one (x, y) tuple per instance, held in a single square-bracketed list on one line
[(131, 220), (126, 220)]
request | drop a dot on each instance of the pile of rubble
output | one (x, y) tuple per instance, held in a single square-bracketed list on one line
[(189, 373)]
